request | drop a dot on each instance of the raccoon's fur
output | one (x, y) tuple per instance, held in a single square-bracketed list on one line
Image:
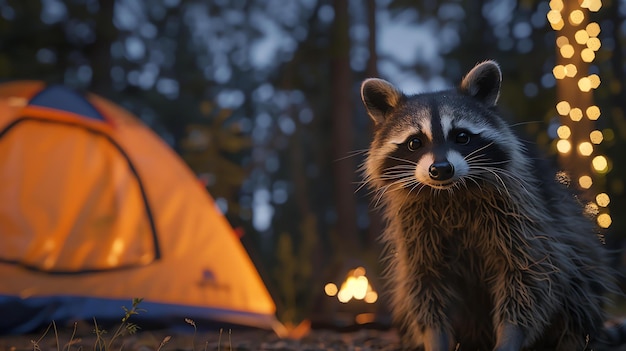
[(485, 250)]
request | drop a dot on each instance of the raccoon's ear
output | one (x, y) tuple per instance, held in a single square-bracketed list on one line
[(483, 83), (379, 97)]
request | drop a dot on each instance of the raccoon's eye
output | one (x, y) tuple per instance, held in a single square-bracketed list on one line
[(462, 138), (414, 144)]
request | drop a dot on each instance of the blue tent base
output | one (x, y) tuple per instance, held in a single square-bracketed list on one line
[(24, 316)]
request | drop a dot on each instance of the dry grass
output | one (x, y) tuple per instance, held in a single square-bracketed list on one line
[(123, 338)]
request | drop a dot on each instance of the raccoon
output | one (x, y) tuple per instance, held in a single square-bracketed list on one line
[(484, 249)]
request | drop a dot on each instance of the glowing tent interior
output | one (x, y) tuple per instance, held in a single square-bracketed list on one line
[(95, 210)]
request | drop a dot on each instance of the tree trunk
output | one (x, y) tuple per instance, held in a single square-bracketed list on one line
[(342, 130), (100, 51), (371, 70)]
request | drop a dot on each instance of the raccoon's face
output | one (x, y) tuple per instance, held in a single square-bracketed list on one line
[(441, 140)]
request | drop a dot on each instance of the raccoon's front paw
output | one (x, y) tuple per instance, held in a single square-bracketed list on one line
[(509, 337), (437, 340)]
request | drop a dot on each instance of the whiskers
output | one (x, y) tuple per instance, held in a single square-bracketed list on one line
[(396, 179), (351, 154), (484, 172), (400, 184)]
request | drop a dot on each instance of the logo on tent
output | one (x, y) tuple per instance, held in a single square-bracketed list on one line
[(209, 279)]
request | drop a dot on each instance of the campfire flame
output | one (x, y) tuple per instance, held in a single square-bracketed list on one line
[(355, 286)]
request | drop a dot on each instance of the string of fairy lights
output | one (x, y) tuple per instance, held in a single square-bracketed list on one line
[(576, 45)]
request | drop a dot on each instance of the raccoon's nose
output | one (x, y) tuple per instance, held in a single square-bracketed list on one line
[(441, 170)]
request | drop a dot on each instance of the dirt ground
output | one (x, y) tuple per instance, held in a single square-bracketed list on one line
[(224, 340), (236, 340)]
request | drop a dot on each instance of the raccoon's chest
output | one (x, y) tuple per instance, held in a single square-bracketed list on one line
[(455, 216)]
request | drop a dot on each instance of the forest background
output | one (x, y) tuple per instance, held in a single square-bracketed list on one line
[(261, 98)]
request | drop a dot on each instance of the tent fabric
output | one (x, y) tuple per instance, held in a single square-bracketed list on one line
[(95, 210)]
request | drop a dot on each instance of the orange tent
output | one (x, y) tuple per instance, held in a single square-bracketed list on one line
[(96, 210)]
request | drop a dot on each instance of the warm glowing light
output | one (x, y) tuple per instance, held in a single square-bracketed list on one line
[(595, 5), (558, 25), (563, 132), (595, 81), (576, 114), (556, 5), (364, 318), (593, 112), (567, 51), (559, 71), (358, 271), (360, 287), (600, 164), (593, 29), (330, 289), (562, 40), (571, 70), (584, 84), (604, 220), (344, 295), (587, 55), (581, 36), (603, 199), (563, 108), (594, 44), (554, 16), (563, 146), (356, 286), (371, 297), (585, 182), (585, 148), (595, 136), (576, 17)]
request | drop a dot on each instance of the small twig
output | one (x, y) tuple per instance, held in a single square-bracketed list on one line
[(165, 341), (100, 343), (56, 334), (219, 340), (195, 330), (71, 342), (36, 343)]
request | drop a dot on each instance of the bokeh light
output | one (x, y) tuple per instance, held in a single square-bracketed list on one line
[(596, 137), (567, 51), (581, 36), (577, 46), (604, 220), (584, 84), (356, 286), (593, 112), (585, 182), (563, 146), (576, 114), (563, 108), (600, 164), (576, 17), (563, 132), (331, 289), (603, 199), (587, 55), (585, 148), (593, 29)]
